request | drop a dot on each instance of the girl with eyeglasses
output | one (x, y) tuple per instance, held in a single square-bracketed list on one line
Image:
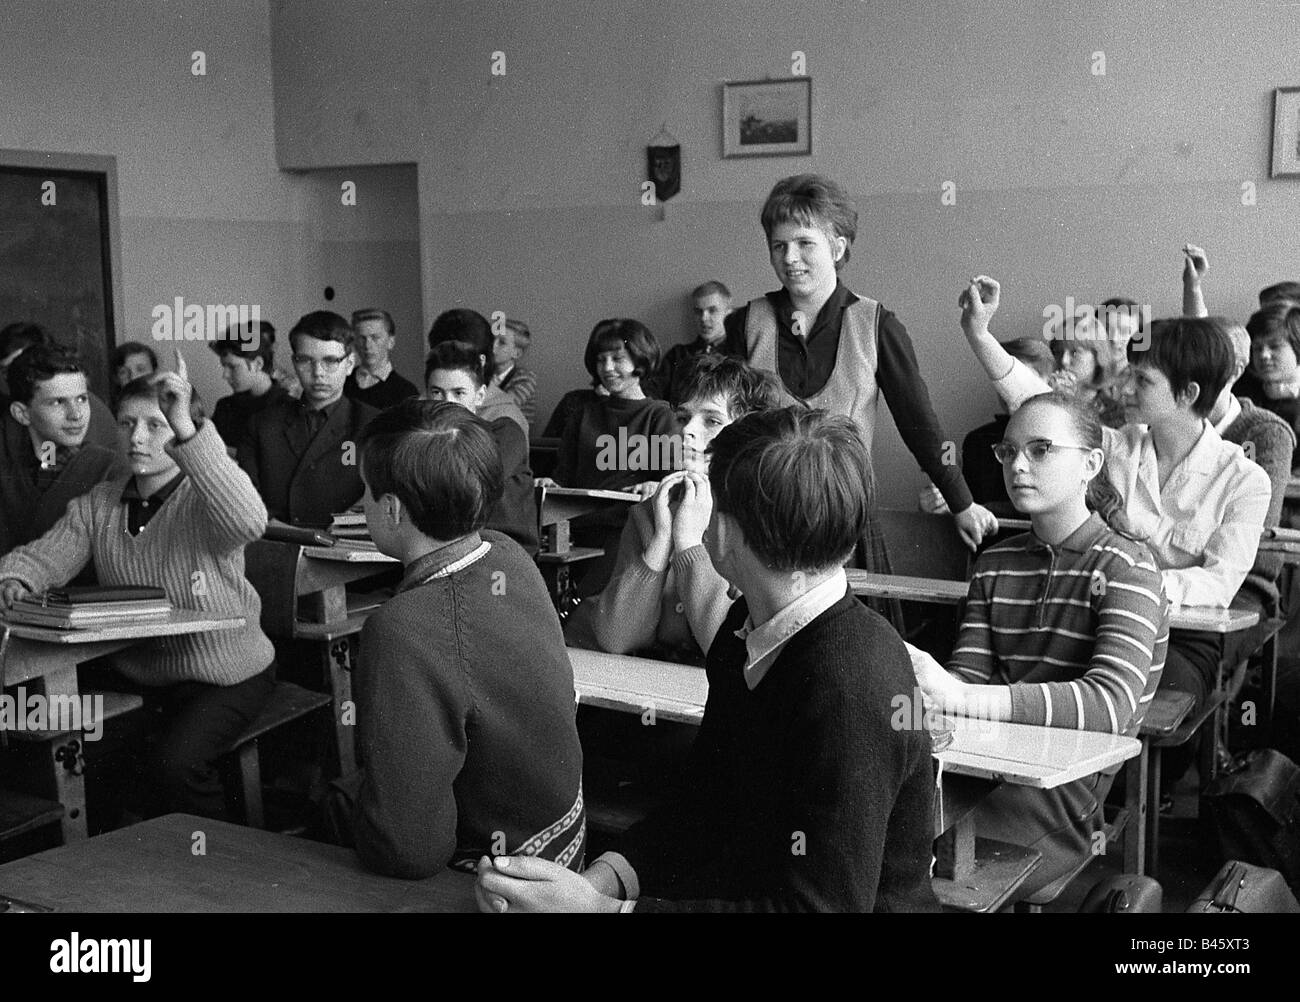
[(1197, 501), (1065, 626)]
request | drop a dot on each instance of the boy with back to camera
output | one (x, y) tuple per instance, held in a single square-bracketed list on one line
[(800, 795)]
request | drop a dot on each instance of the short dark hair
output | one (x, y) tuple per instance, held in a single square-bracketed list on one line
[(811, 200), (238, 340), (798, 483), (469, 327), (1277, 316), (710, 288), (323, 326), (620, 332), (371, 313), (128, 348), (38, 363), (455, 355), (439, 460), (147, 388), (21, 334), (745, 388), (1282, 290), (1188, 350)]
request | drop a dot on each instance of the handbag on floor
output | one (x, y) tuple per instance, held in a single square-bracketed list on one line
[(1254, 812), (1124, 894), (1244, 889)]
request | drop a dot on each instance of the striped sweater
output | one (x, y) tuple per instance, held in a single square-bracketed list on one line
[(1078, 631), (193, 548)]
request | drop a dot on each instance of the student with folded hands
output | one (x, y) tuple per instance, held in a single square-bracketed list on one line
[(664, 598)]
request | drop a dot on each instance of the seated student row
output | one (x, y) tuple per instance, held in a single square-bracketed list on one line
[(911, 840), (1101, 670)]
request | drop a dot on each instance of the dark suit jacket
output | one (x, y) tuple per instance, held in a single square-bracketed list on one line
[(305, 486)]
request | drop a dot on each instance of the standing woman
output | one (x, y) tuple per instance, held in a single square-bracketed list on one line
[(837, 351)]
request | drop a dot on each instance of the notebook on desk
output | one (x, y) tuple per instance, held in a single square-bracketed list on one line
[(101, 595), (87, 615), (598, 495)]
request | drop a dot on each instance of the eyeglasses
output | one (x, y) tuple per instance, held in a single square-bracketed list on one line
[(330, 363), (1036, 449)]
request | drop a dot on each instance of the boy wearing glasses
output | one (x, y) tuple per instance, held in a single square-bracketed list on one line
[(302, 454)]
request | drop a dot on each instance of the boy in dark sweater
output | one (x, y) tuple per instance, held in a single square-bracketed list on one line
[(466, 715), (454, 374), (45, 460), (374, 381), (800, 795), (247, 359)]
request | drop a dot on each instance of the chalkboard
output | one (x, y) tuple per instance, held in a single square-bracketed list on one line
[(59, 257)]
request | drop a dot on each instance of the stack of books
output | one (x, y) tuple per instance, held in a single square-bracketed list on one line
[(87, 608), (350, 524)]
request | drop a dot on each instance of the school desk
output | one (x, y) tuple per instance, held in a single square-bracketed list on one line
[(50, 657), (981, 874), (556, 508), (1181, 617), (639, 685), (156, 866), (305, 598)]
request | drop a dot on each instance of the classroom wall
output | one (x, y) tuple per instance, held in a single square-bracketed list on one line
[(206, 214), (363, 244), (1068, 182)]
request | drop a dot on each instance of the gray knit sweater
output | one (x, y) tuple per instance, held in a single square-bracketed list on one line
[(193, 548)]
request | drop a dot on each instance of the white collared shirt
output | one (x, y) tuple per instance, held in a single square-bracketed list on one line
[(763, 644), (1230, 415), (367, 378), (1203, 525)]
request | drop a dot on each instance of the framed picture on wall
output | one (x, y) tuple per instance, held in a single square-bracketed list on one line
[(1286, 132), (767, 118)]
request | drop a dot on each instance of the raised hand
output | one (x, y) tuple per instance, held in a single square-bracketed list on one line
[(175, 398), (978, 302), (1195, 265)]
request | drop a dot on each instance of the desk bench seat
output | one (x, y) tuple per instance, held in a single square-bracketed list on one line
[(116, 704), (999, 870), (287, 703), (329, 632)]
